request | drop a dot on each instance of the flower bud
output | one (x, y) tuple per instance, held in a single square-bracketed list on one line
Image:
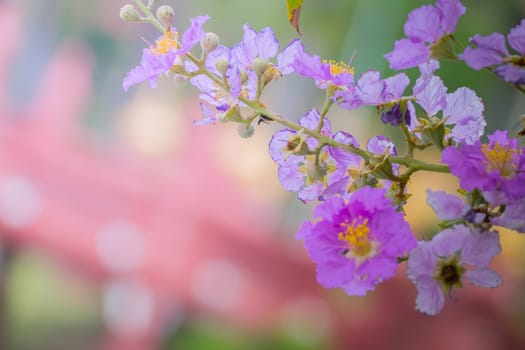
[(165, 15), (129, 13), (260, 65), (222, 65), (209, 42), (245, 130)]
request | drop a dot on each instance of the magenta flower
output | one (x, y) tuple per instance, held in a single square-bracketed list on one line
[(356, 242), (453, 256), (425, 27), (160, 59), (496, 168), (490, 50)]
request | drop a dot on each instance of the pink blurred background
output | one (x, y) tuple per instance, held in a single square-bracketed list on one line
[(123, 226)]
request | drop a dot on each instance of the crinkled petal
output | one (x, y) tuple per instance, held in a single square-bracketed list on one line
[(421, 261), (193, 35), (249, 42), (424, 24), (395, 86), (329, 208), (310, 193), (430, 299), (358, 287), (334, 275), (485, 277), (513, 217), (407, 54), (433, 97), (370, 88), (287, 57), (279, 143), (451, 10), (426, 72), (516, 38), (267, 43), (344, 157), (465, 109), (445, 205), (450, 241), (480, 247), (490, 50), (289, 176), (380, 145), (511, 73)]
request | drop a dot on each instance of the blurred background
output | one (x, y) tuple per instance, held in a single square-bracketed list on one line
[(123, 226)]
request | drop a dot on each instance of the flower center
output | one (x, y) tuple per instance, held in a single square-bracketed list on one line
[(449, 272), (356, 235), (167, 42), (317, 169), (500, 158), (339, 67)]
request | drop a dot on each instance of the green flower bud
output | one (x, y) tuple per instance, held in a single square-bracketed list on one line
[(209, 42), (129, 13), (222, 65), (165, 15), (260, 65), (245, 130)]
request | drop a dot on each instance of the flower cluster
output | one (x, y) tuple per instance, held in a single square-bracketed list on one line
[(358, 234)]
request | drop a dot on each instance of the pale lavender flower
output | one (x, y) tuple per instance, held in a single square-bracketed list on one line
[(453, 256)]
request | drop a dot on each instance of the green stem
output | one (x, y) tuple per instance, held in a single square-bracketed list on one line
[(146, 10), (413, 164), (326, 106)]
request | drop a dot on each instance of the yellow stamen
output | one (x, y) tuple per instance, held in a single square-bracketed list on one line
[(500, 158), (167, 42), (356, 234), (337, 68)]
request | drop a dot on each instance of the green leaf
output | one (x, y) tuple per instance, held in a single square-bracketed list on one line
[(293, 8)]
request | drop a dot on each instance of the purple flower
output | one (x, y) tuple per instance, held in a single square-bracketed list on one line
[(453, 256), (490, 50), (356, 242), (425, 27), (496, 168), (300, 169), (160, 59)]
